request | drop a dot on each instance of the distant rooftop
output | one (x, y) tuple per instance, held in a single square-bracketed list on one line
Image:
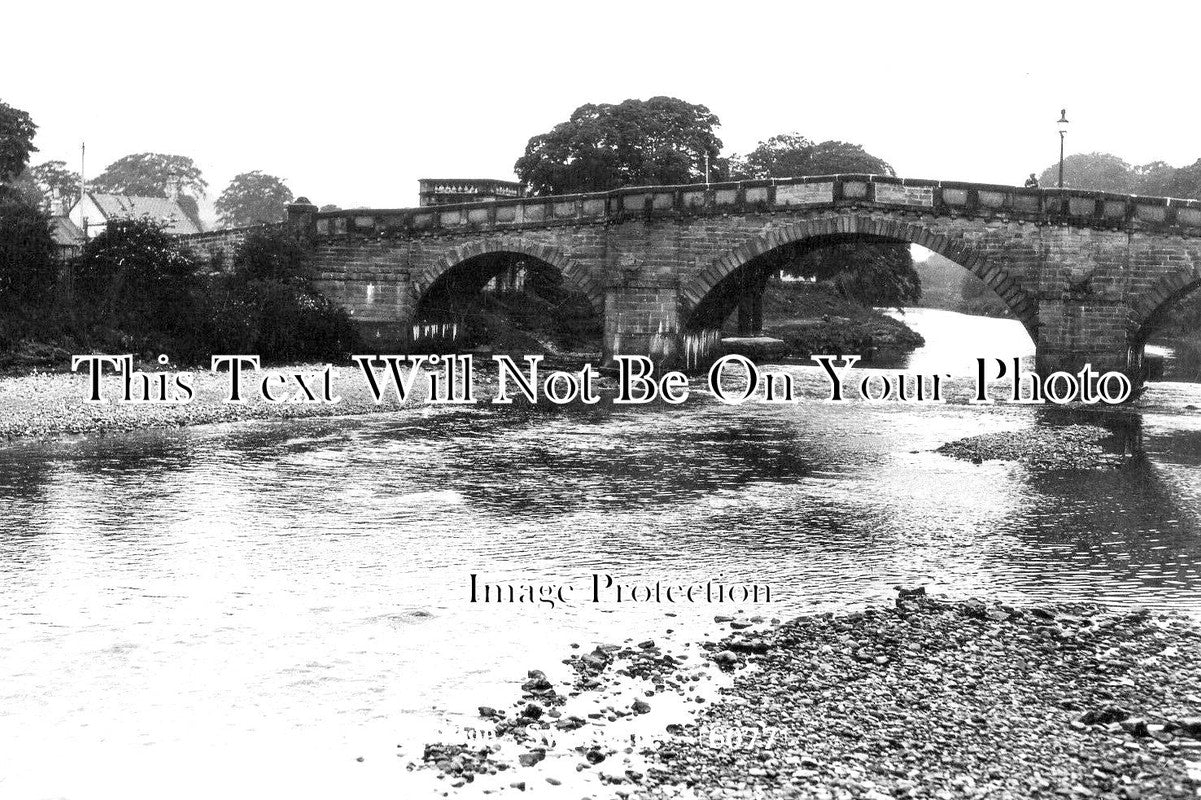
[(127, 206), (65, 233)]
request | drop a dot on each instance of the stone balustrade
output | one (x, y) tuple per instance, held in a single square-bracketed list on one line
[(1079, 208)]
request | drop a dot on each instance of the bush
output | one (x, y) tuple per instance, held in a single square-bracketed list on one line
[(270, 254), (269, 302), (141, 291), (28, 256)]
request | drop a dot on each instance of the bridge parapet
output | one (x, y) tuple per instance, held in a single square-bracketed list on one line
[(1076, 207)]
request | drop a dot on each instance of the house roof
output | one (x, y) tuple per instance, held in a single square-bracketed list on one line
[(126, 206), (65, 233)]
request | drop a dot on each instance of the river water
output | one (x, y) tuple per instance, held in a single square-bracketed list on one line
[(245, 610)]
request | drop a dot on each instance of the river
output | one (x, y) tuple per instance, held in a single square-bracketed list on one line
[(247, 610)]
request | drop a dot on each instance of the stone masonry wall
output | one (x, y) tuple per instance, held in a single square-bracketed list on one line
[(1083, 275), (218, 246)]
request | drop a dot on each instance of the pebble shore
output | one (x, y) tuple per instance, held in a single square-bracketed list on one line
[(1062, 447), (48, 405), (930, 698)]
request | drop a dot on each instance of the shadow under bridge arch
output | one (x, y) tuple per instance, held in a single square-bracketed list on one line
[(738, 278), (510, 294)]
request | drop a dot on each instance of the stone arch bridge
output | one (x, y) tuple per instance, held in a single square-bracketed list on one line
[(1087, 273)]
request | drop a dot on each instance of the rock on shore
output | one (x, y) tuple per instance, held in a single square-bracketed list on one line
[(927, 699), (954, 699)]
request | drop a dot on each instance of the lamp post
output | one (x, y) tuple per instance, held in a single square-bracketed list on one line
[(1063, 128)]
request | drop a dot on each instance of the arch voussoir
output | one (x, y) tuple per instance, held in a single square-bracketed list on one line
[(1008, 288), (1146, 307)]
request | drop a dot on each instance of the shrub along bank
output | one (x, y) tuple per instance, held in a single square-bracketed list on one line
[(136, 289)]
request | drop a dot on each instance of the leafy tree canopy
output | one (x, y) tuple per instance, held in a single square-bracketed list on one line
[(1103, 172), (273, 307), (253, 198), (270, 255), (1109, 173), (1183, 182), (872, 273), (1153, 179), (23, 189), (658, 141), (16, 141), (28, 263), (136, 256), (154, 175), (791, 155), (53, 177)]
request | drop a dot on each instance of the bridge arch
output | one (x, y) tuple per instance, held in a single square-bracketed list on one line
[(573, 273), (1148, 309), (1016, 299)]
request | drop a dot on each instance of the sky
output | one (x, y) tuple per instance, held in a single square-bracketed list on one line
[(350, 102)]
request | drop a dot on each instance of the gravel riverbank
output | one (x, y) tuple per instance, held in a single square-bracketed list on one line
[(1065, 446), (46, 405), (930, 698)]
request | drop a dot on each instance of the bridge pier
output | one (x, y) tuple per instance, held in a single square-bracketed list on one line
[(1073, 333), (750, 305), (640, 320)]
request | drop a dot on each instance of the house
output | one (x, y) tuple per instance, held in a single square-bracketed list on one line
[(95, 209), (67, 236)]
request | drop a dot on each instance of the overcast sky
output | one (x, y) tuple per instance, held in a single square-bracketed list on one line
[(351, 102)]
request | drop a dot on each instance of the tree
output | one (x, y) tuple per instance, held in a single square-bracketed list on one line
[(791, 155), (271, 256), (1184, 182), (154, 175), (253, 198), (1103, 172), (873, 273), (28, 256), (1109, 173), (16, 141), (53, 178), (23, 189), (833, 157), (268, 304), (1153, 179), (658, 141), (141, 278)]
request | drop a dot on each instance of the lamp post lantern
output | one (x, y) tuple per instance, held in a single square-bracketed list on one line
[(1063, 128)]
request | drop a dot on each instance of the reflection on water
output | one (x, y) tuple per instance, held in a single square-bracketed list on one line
[(954, 341), (287, 597)]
